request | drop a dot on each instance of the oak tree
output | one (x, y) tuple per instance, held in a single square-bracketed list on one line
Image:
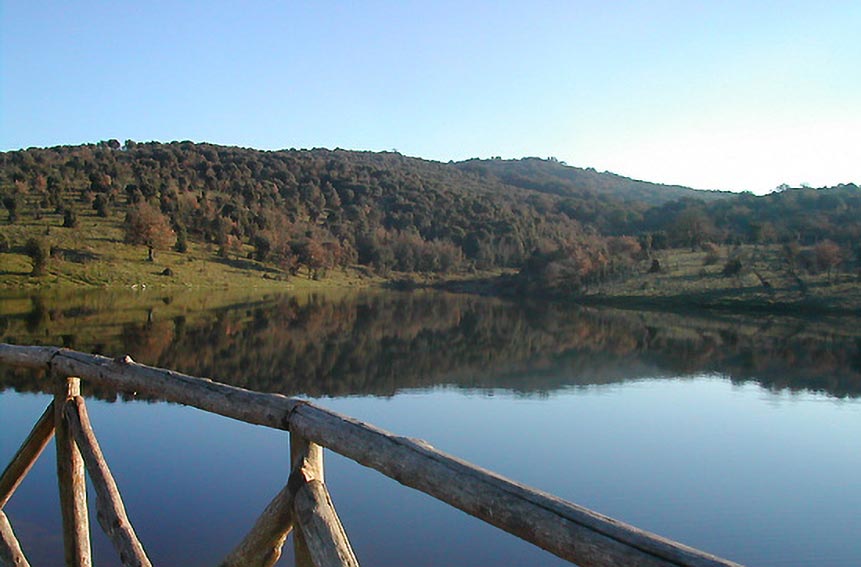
[(146, 225)]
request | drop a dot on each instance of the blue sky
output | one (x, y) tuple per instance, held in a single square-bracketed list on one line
[(723, 94)]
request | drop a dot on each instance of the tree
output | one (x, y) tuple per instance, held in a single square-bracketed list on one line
[(39, 252), (100, 205), (692, 227), (12, 202), (733, 267), (262, 247), (311, 253), (828, 256), (146, 225), (181, 245)]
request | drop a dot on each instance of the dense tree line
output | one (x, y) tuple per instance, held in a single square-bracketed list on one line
[(803, 215), (312, 210)]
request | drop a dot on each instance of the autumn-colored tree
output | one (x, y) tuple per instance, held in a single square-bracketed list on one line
[(311, 254), (828, 256), (146, 225)]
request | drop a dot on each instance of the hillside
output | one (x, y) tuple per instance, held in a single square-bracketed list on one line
[(193, 214), (358, 206), (314, 208)]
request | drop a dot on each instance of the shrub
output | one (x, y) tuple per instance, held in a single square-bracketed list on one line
[(70, 219), (732, 267)]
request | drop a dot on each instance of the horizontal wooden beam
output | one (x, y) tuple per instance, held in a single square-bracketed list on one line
[(109, 504), (27, 455), (125, 375)]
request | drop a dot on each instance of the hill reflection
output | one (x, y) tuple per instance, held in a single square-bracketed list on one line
[(380, 343)]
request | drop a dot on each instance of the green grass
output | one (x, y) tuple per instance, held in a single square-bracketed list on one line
[(93, 254), (687, 279)]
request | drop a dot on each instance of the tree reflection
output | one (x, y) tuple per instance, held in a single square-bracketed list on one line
[(380, 343)]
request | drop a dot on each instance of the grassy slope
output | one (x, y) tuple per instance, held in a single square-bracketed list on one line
[(686, 281), (93, 254)]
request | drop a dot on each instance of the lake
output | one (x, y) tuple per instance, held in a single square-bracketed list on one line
[(734, 434)]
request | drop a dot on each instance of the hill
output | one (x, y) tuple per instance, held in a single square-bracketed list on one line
[(98, 213), (317, 208), (556, 178)]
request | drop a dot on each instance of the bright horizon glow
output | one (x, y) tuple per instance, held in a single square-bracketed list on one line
[(713, 95)]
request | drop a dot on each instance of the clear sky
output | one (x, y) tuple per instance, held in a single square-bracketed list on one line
[(741, 95)]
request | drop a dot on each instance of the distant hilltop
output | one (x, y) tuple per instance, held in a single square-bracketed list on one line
[(557, 178)]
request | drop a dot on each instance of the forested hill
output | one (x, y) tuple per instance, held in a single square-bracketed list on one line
[(322, 208), (556, 178)]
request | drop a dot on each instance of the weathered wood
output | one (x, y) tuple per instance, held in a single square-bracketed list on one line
[(109, 504), (306, 456), (301, 555), (306, 461), (126, 375), (27, 455), (71, 480), (324, 535), (263, 544), (10, 550), (567, 530), (320, 539)]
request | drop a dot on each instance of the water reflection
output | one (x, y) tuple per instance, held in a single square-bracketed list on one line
[(380, 343)]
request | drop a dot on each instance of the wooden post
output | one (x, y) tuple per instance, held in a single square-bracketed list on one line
[(324, 536), (320, 539), (307, 457), (70, 476), (111, 512), (26, 456), (262, 546), (10, 550)]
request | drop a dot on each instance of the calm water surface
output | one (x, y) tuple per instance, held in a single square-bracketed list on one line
[(736, 436)]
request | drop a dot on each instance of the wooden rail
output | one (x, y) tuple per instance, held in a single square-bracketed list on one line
[(569, 531)]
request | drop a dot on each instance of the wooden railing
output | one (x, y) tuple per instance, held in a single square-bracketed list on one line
[(570, 531)]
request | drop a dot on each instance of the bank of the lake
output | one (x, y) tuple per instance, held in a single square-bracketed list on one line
[(686, 281)]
